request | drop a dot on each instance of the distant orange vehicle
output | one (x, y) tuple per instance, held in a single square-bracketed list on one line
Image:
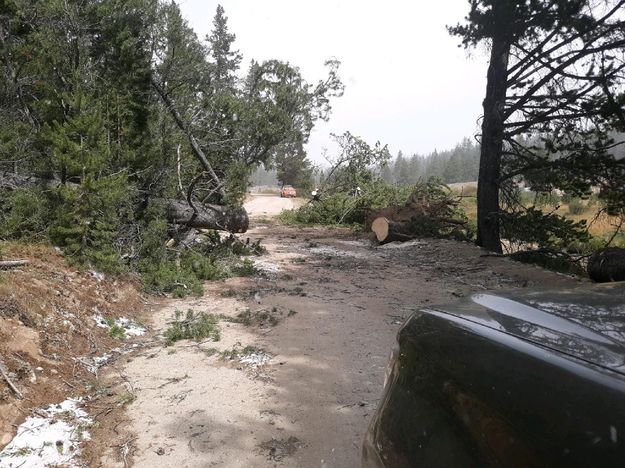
[(288, 192)]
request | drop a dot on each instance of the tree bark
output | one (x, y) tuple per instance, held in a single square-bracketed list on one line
[(607, 265), (389, 231), (4, 264), (195, 146), (11, 181), (207, 216), (488, 234)]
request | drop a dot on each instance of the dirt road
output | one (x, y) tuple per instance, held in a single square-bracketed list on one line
[(308, 362), (267, 205)]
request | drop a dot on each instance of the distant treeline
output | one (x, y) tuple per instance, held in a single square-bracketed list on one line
[(460, 164)]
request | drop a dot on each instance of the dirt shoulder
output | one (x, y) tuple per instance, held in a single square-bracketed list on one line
[(324, 314), (55, 325)]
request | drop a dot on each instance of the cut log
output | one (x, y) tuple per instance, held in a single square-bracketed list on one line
[(607, 265), (389, 231), (208, 216)]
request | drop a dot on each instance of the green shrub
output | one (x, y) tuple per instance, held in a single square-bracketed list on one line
[(344, 208), (245, 268), (576, 207), (546, 230), (115, 331), (193, 326), (205, 267), (167, 277), (25, 215), (329, 210)]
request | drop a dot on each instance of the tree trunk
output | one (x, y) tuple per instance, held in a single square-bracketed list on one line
[(207, 216), (607, 265), (389, 231), (488, 235), (12, 263), (11, 181), (195, 146)]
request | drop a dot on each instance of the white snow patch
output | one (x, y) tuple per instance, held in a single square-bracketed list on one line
[(334, 252), (97, 275), (101, 321), (93, 364), (130, 327), (401, 245), (255, 359), (267, 267), (51, 438)]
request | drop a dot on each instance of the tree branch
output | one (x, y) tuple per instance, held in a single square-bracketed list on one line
[(192, 140)]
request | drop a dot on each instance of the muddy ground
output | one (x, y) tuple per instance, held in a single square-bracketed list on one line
[(308, 363)]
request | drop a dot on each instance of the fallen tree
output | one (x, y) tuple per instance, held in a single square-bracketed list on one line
[(192, 215), (221, 218), (389, 231), (430, 211)]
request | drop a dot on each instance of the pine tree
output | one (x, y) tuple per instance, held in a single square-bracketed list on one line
[(555, 72), (88, 205), (401, 170), (294, 168), (225, 59)]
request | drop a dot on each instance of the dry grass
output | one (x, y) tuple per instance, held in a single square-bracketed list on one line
[(600, 225)]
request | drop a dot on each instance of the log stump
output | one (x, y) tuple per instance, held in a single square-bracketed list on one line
[(388, 231), (607, 265)]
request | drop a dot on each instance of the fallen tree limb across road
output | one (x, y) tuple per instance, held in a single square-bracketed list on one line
[(201, 216)]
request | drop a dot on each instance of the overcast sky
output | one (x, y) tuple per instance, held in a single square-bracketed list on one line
[(407, 83)]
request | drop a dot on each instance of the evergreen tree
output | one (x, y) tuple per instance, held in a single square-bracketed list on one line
[(118, 107), (415, 168), (386, 174), (295, 169), (555, 71), (226, 61), (401, 170)]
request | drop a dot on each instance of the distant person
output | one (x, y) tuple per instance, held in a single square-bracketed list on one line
[(316, 194)]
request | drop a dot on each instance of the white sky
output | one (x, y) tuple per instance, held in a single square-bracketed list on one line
[(407, 83)]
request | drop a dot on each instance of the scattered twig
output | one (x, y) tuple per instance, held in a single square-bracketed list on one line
[(172, 380), (12, 263), (67, 383), (178, 167), (125, 379), (10, 384), (126, 448)]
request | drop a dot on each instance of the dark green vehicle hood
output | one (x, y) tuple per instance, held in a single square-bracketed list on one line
[(587, 323)]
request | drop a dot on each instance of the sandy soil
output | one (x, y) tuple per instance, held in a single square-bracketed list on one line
[(50, 343), (328, 309), (268, 205)]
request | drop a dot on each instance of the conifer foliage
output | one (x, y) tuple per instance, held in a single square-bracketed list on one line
[(553, 105), (110, 108)]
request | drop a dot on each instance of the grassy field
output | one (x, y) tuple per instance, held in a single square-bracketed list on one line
[(600, 226)]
